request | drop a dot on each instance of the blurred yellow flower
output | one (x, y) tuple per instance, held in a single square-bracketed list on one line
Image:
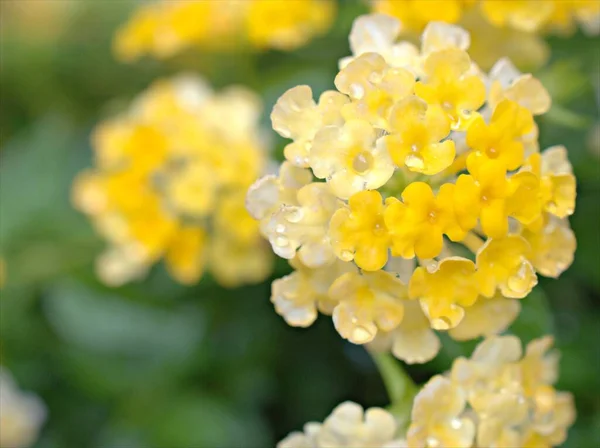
[(22, 416), (499, 28), (170, 181), (166, 27), (431, 177)]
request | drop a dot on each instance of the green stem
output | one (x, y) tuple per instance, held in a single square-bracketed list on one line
[(399, 385)]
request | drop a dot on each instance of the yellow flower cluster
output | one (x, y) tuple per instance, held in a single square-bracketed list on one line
[(498, 397), (348, 426), (433, 207), (22, 414), (166, 27), (502, 28), (169, 182), (558, 16)]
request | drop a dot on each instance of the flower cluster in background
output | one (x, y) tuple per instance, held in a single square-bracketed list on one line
[(433, 206), (166, 27), (499, 28), (169, 182), (498, 397), (21, 414)]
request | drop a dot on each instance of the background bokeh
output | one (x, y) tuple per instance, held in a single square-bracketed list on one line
[(156, 364)]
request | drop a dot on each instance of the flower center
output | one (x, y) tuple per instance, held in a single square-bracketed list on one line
[(362, 162), (492, 153)]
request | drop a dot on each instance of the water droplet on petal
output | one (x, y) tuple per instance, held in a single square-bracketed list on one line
[(346, 255), (414, 161), (361, 335)]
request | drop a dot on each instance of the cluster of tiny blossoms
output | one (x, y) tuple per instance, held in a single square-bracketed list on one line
[(169, 182), (553, 16), (348, 426), (166, 27), (496, 398), (21, 414), (500, 28), (432, 207)]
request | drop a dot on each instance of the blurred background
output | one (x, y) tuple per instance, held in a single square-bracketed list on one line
[(157, 364)]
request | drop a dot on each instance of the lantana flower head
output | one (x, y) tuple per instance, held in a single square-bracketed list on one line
[(169, 183), (500, 28), (423, 173), (166, 27), (498, 397), (349, 426)]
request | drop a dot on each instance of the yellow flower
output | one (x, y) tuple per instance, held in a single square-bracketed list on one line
[(186, 255), (348, 426), (557, 182), (525, 15), (497, 397), (489, 195), (232, 218), (508, 83), (445, 291), (499, 141), (165, 28), (375, 87), (552, 247), (121, 264), (287, 25), (298, 296), (349, 158), (417, 131), (450, 84), (413, 341), (503, 264), (415, 14), (193, 190), (417, 224), (268, 193), (436, 416), (377, 33), (358, 232), (233, 263), (404, 125), (298, 117), (367, 302), (486, 318), (304, 227), (167, 170), (23, 414), (138, 35)]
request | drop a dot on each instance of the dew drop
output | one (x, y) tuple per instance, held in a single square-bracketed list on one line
[(346, 255), (360, 335), (414, 161)]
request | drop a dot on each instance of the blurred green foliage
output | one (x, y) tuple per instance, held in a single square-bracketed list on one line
[(154, 364)]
